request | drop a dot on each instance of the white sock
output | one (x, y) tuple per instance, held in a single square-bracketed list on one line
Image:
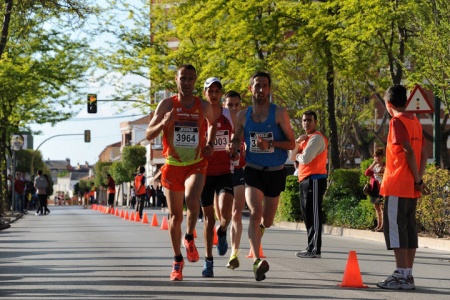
[(402, 271)]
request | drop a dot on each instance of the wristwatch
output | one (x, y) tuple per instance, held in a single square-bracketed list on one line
[(270, 144)]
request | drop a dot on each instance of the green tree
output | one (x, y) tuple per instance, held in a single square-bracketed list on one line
[(430, 56), (41, 65), (24, 158), (100, 170), (133, 157)]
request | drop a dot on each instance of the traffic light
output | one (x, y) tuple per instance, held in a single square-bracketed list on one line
[(87, 136), (92, 103)]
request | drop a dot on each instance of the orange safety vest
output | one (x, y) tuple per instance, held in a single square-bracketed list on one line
[(140, 188), (92, 191), (111, 186), (397, 179), (318, 166)]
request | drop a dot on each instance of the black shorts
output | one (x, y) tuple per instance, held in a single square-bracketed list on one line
[(238, 177), (111, 199), (399, 222), (216, 185), (271, 183)]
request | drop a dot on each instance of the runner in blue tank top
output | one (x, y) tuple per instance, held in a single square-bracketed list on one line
[(271, 157), (268, 134)]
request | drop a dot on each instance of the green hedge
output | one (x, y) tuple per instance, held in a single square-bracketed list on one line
[(289, 207), (344, 203)]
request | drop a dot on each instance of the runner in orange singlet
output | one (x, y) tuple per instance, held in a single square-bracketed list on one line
[(219, 179), (181, 118)]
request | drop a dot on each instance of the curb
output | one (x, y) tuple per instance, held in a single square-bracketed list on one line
[(424, 242)]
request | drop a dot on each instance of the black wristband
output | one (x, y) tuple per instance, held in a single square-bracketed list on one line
[(419, 183), (270, 144)]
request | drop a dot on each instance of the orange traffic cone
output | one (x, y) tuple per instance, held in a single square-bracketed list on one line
[(125, 216), (131, 216), (112, 211), (261, 253), (137, 218), (116, 213), (164, 224), (154, 220), (352, 275), (144, 218)]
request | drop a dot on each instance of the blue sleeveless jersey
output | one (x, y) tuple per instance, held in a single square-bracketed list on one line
[(270, 130)]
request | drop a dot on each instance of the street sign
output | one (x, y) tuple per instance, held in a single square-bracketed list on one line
[(418, 101)]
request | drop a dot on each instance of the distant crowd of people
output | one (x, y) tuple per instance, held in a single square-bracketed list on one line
[(29, 195)]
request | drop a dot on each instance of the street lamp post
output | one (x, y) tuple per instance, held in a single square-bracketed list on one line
[(16, 145), (32, 156)]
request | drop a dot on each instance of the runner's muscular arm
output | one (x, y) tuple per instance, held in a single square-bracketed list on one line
[(212, 128), (162, 116), (236, 140), (283, 120)]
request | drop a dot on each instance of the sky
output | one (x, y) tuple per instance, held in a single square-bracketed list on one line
[(104, 127)]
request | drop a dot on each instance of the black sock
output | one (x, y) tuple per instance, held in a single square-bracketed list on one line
[(178, 258), (209, 258), (189, 237), (220, 232)]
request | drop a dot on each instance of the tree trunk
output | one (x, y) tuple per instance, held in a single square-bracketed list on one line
[(5, 26), (445, 159), (333, 138)]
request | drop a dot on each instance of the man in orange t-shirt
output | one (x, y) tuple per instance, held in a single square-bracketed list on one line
[(402, 184), (111, 190)]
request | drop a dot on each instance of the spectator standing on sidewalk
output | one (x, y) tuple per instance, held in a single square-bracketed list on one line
[(402, 185), (41, 185), (140, 190), (268, 135), (92, 193), (311, 153), (19, 190), (375, 172), (111, 190)]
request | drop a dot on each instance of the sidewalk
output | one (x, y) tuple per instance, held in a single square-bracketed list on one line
[(424, 242)]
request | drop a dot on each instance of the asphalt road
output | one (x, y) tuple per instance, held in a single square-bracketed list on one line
[(77, 253)]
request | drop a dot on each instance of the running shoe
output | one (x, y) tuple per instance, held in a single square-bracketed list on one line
[(177, 271), (222, 244), (233, 263), (307, 254), (208, 269), (260, 268), (394, 282), (409, 283), (191, 250)]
